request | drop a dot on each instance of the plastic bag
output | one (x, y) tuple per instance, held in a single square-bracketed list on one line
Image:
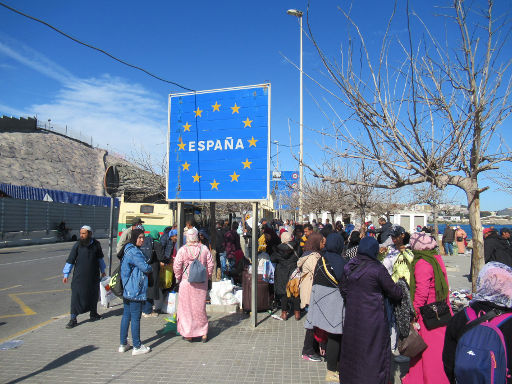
[(222, 293), (170, 304), (166, 275), (106, 294)]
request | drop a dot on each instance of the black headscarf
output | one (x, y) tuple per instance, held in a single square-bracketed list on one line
[(333, 249), (135, 235)]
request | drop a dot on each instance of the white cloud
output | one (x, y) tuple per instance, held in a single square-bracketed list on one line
[(112, 110)]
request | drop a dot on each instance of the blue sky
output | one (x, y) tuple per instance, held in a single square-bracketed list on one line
[(199, 44)]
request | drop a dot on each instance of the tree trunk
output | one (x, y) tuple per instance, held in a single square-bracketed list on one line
[(332, 218), (436, 223), (477, 259)]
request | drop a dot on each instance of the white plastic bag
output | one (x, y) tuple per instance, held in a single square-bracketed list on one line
[(222, 293), (170, 303), (239, 295), (106, 295)]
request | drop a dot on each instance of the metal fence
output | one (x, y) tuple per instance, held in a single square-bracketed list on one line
[(34, 215)]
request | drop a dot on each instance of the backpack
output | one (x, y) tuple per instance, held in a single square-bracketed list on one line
[(116, 285), (196, 269), (481, 355)]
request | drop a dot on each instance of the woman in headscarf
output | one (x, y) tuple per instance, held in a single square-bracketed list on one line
[(353, 242), (493, 292), (154, 256), (429, 284), (365, 352), (134, 270), (192, 319), (326, 304), (308, 262), (285, 259), (460, 236)]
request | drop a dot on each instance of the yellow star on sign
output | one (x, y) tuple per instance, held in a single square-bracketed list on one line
[(235, 109), (216, 107), (247, 123), (234, 177), (252, 142), (186, 127), (198, 112), (247, 163), (185, 166), (196, 178), (181, 145), (215, 185)]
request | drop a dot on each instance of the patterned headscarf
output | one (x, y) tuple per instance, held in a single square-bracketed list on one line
[(192, 235), (494, 285)]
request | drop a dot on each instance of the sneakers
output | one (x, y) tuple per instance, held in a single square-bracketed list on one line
[(313, 357), (332, 377), (148, 315), (123, 348), (71, 324), (141, 350)]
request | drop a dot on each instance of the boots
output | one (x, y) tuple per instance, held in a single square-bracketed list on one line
[(297, 315)]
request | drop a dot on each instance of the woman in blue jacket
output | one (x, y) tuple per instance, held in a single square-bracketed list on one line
[(134, 270)]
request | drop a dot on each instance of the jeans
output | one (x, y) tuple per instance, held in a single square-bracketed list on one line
[(131, 313), (222, 257), (148, 306), (448, 248)]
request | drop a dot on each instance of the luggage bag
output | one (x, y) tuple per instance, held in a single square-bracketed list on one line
[(263, 293)]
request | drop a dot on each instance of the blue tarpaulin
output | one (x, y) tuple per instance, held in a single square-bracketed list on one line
[(32, 193)]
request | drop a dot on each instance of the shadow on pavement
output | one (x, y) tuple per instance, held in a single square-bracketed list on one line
[(217, 326), (60, 361)]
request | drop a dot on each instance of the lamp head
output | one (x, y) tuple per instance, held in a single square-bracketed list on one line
[(294, 12)]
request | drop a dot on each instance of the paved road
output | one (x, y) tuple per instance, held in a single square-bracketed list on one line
[(31, 288)]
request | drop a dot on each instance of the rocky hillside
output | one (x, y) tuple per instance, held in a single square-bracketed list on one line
[(39, 158)]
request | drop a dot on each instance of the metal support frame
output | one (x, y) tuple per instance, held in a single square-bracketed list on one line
[(254, 261)]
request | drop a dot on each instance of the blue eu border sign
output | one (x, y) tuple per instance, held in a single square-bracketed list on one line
[(219, 144)]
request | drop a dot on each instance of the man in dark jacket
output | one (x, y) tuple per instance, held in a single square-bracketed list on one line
[(87, 258), (448, 239), (496, 249), (384, 232)]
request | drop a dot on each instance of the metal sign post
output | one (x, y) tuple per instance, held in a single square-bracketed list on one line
[(110, 236), (254, 261)]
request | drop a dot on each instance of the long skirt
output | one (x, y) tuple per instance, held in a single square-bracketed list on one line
[(192, 318)]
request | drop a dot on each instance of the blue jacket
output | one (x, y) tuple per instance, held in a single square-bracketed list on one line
[(133, 274)]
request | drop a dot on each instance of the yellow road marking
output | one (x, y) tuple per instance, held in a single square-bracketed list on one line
[(14, 286), (30, 329), (53, 277), (27, 311)]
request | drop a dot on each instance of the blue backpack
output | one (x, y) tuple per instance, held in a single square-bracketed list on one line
[(481, 354)]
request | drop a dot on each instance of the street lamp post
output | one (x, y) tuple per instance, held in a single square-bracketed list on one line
[(298, 14)]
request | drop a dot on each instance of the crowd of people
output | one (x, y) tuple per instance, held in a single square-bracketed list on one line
[(367, 295)]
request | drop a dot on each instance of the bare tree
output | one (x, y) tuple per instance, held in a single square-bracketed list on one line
[(432, 196), (326, 196), (426, 109)]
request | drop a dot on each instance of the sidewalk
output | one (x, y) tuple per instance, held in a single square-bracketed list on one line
[(235, 353)]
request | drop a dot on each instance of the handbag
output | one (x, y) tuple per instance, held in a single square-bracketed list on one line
[(435, 315), (412, 345), (116, 285)]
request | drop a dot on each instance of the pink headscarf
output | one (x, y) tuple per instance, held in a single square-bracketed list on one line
[(422, 242)]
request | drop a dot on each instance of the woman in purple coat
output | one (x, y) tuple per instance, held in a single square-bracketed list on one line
[(365, 350)]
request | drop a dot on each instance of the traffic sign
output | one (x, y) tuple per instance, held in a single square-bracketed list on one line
[(219, 144)]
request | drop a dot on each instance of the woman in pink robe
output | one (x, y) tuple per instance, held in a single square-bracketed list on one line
[(192, 319), (427, 368)]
